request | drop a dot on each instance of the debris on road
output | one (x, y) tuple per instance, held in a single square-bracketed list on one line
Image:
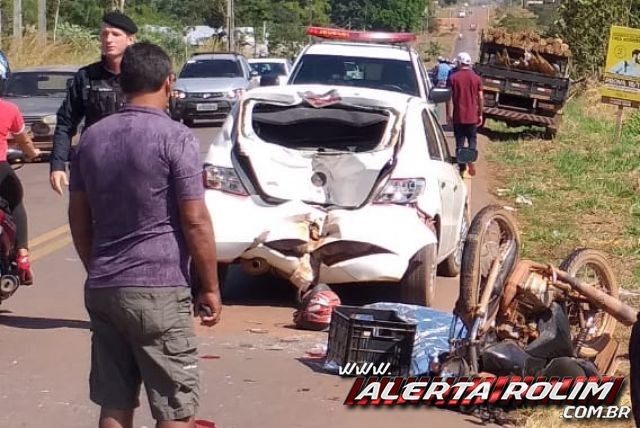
[(523, 200), (274, 348), (210, 357), (290, 339), (258, 330)]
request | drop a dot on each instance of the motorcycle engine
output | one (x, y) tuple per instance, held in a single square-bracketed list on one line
[(520, 319)]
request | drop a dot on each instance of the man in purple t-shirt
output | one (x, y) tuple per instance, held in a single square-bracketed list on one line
[(465, 108), (136, 214)]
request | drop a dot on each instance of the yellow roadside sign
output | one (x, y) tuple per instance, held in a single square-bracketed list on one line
[(622, 68)]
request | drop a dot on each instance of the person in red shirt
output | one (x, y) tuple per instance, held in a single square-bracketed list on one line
[(12, 123), (464, 109)]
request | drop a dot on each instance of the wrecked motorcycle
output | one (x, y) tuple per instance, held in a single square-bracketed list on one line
[(528, 319)]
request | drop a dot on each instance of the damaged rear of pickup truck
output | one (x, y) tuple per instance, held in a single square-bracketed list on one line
[(336, 185)]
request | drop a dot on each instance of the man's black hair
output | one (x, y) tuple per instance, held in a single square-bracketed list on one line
[(635, 52), (144, 68)]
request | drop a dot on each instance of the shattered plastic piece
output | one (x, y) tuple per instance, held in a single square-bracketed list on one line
[(255, 322), (319, 350), (302, 277), (258, 330), (290, 339), (523, 200), (210, 357), (274, 348)]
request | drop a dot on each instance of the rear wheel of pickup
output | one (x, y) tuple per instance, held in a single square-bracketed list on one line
[(418, 287)]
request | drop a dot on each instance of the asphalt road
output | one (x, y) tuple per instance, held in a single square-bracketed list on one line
[(257, 372)]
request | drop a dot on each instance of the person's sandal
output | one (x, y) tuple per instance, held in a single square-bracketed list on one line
[(24, 270)]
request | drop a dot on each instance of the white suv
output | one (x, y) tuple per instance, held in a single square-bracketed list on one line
[(365, 60)]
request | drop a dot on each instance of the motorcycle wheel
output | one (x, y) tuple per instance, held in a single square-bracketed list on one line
[(491, 232), (591, 267)]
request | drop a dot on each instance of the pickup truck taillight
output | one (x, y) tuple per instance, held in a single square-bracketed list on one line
[(223, 179), (544, 90)]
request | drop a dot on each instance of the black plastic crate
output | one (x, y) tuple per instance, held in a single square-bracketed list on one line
[(359, 335)]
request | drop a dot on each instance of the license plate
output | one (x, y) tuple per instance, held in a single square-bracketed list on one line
[(207, 107)]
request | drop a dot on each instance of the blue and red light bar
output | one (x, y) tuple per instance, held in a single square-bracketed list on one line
[(360, 36)]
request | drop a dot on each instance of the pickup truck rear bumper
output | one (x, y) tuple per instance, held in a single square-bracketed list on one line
[(518, 118)]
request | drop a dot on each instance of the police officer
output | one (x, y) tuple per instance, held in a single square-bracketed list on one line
[(94, 94)]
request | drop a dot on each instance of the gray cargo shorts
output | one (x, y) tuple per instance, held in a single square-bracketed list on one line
[(143, 334)]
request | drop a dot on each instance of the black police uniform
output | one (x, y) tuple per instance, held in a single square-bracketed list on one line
[(94, 94)]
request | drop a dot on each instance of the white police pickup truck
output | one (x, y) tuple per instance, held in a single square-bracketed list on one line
[(374, 60)]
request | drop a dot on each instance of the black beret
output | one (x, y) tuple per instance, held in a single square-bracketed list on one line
[(121, 21)]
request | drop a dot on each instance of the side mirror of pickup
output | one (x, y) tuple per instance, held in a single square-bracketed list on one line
[(439, 95)]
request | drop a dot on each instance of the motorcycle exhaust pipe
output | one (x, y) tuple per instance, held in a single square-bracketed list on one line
[(256, 267), (8, 285), (616, 308)]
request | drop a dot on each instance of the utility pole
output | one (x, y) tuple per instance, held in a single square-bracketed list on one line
[(42, 20), (231, 25), (17, 19)]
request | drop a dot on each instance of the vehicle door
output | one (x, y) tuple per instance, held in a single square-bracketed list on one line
[(453, 172), (254, 81), (448, 182)]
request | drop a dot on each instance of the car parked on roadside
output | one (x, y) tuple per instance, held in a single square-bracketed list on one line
[(209, 85), (272, 71), (337, 185), (39, 92)]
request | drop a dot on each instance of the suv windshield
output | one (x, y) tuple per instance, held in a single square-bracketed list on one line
[(38, 84), (269, 68), (211, 68), (376, 73)]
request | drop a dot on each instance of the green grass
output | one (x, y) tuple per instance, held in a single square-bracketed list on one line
[(584, 187), (585, 191)]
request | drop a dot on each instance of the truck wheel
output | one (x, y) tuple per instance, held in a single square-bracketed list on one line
[(418, 287), (550, 133), (450, 268)]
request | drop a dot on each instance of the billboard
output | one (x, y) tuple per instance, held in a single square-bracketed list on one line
[(622, 68)]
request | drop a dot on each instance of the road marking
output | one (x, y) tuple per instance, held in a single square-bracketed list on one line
[(50, 248), (47, 236)]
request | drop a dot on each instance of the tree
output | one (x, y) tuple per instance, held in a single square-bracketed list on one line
[(387, 15), (584, 25)]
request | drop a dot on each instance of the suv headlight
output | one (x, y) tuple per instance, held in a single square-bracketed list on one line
[(178, 94), (236, 93), (401, 191), (51, 119), (223, 179)]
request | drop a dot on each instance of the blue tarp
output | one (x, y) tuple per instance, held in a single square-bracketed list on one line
[(432, 333)]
